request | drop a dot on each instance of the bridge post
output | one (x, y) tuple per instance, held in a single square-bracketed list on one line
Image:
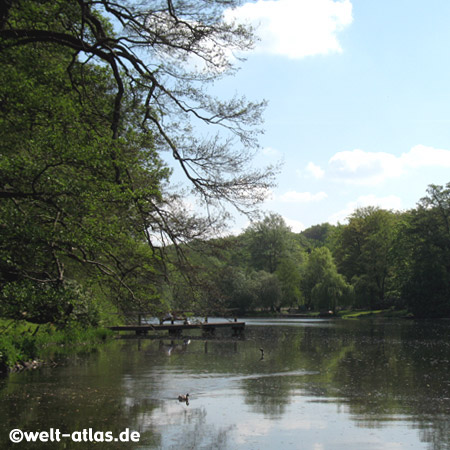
[(208, 331), (141, 332), (175, 332)]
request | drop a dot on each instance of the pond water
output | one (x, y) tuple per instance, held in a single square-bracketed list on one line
[(322, 384)]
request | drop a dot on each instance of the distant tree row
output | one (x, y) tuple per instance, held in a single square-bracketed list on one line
[(378, 259), (397, 259), (95, 97)]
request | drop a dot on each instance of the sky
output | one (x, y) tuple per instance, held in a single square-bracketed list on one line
[(358, 98)]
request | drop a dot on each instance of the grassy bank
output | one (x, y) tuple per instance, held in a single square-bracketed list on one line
[(21, 342), (352, 314)]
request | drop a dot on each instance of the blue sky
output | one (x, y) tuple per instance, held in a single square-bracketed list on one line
[(359, 102)]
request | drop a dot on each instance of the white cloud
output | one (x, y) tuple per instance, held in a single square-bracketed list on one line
[(423, 156), (251, 428), (388, 202), (295, 225), (296, 28), (296, 424), (360, 167), (315, 170), (371, 168), (302, 197)]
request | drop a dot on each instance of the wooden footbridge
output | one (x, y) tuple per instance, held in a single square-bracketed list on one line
[(176, 329)]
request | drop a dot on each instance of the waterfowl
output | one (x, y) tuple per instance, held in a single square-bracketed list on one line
[(183, 398)]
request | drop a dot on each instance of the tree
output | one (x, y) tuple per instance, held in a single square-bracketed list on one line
[(318, 235), (268, 242), (322, 286), (62, 206), (329, 293), (150, 55), (363, 254), (289, 275), (425, 238), (85, 111), (268, 290), (238, 289)]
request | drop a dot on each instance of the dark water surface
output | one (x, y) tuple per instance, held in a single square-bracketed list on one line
[(322, 384)]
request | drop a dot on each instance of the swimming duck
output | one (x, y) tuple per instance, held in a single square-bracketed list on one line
[(183, 398)]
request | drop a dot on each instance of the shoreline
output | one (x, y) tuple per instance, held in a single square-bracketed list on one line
[(26, 346)]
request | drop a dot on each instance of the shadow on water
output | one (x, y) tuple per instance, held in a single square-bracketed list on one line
[(326, 384)]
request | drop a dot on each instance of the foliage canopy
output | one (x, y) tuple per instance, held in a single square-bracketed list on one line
[(92, 93)]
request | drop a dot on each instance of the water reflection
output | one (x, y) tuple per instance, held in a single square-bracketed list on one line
[(320, 384)]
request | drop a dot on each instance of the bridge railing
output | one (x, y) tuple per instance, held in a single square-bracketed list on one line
[(137, 317)]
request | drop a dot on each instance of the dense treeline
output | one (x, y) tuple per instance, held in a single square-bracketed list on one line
[(379, 259), (95, 98), (89, 221)]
